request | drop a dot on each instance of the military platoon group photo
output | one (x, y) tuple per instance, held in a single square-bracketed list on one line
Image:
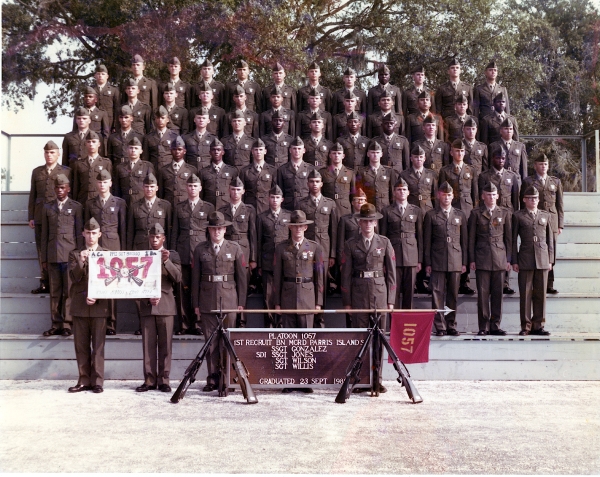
[(300, 194)]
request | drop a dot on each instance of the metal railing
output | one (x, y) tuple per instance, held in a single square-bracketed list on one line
[(582, 138)]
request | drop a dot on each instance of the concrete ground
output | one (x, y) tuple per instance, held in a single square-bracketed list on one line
[(462, 427)]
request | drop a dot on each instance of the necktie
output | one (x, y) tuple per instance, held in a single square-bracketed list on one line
[(82, 135), (354, 140), (401, 210), (316, 201), (532, 215), (60, 204), (447, 214), (233, 210), (149, 204), (237, 139), (176, 167), (430, 143), (123, 135), (295, 167), (258, 168), (336, 171), (103, 201), (217, 248), (131, 164), (367, 243), (217, 169), (160, 134), (192, 205), (543, 181), (91, 159), (275, 216), (419, 174), (297, 245)]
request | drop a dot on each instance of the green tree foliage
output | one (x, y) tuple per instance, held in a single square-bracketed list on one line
[(547, 49)]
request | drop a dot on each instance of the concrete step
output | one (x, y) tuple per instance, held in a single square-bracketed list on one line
[(578, 234), (566, 268), (581, 202), (584, 219), (566, 312), (21, 268), (18, 250), (559, 357), (17, 233), (14, 216)]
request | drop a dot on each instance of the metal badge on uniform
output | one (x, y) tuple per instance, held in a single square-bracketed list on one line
[(285, 93), (304, 256), (464, 92), (304, 174), (139, 172), (456, 220), (112, 209), (168, 141), (478, 151), (378, 251), (160, 212), (185, 174), (109, 92), (176, 116), (362, 144), (96, 117), (285, 116), (467, 176), (310, 254), (345, 179), (321, 94), (517, 151), (226, 174), (551, 186), (268, 176), (384, 178), (284, 143), (250, 89), (508, 180), (284, 220), (207, 141), (181, 88), (411, 217), (324, 148), (428, 180), (325, 209), (242, 217), (214, 116), (69, 211), (99, 168), (228, 255), (214, 91), (144, 87), (439, 149), (542, 220), (201, 214), (139, 113), (248, 120), (246, 146)]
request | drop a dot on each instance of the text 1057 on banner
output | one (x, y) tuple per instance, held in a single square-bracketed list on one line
[(124, 274)]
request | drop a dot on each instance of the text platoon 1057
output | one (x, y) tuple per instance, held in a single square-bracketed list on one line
[(292, 358), (124, 274)]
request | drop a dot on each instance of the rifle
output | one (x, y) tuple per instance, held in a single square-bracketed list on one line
[(190, 373), (353, 371), (376, 353), (403, 374)]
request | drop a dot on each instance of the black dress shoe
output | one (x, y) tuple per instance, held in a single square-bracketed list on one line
[(209, 387), (52, 331), (138, 332), (144, 387), (66, 332), (440, 333), (286, 390), (508, 291), (306, 390), (482, 333), (540, 332), (382, 389), (111, 332), (41, 289), (452, 332), (360, 390), (165, 388), (523, 333), (97, 389), (498, 332), (551, 291), (80, 387), (465, 290)]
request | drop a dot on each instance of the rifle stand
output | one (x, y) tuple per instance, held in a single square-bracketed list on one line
[(219, 334), (377, 339)]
